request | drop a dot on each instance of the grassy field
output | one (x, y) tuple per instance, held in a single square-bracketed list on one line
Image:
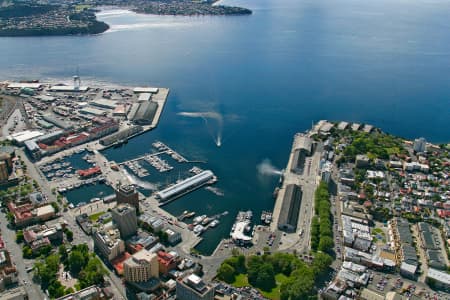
[(95, 217), (241, 280)]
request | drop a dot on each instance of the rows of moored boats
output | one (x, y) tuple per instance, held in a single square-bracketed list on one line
[(57, 170), (266, 217), (137, 169), (159, 164), (160, 146), (78, 184), (202, 223)]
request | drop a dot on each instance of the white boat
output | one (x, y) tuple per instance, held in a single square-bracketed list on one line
[(206, 221), (198, 229), (214, 223), (199, 219)]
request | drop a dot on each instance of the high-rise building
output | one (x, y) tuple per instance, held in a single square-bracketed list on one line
[(140, 267), (420, 145), (107, 241), (192, 287), (124, 216), (127, 194)]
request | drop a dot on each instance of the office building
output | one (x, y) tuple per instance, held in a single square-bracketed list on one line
[(107, 241), (192, 287), (124, 216), (127, 194), (140, 267)]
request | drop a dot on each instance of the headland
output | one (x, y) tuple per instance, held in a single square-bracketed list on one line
[(31, 18)]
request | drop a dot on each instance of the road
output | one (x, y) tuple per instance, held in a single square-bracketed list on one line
[(308, 180), (79, 237), (9, 237)]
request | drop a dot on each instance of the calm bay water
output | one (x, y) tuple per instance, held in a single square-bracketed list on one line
[(269, 75)]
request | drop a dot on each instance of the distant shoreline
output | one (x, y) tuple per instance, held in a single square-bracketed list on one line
[(54, 20)]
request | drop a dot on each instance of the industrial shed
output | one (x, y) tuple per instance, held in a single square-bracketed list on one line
[(290, 208), (298, 162), (123, 134), (145, 113), (57, 122)]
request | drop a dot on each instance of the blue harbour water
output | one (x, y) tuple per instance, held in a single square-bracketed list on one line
[(269, 75)]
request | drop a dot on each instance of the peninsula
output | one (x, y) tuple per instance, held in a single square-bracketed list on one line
[(32, 18)]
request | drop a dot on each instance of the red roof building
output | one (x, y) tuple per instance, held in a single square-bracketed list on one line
[(166, 262), (90, 172), (443, 213)]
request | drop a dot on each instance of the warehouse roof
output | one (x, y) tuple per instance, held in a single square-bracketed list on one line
[(68, 88), (92, 111), (26, 135), (20, 85), (104, 103), (145, 90), (145, 112), (439, 276), (290, 207), (145, 97)]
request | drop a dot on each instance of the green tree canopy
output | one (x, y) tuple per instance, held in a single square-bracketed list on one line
[(226, 273)]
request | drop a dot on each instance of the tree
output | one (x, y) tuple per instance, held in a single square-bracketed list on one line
[(282, 263), (163, 237), (27, 252), (69, 235), (266, 277), (45, 250), (321, 262), (62, 251), (326, 244), (299, 286), (19, 236), (56, 289), (76, 261), (55, 206), (226, 273), (93, 273)]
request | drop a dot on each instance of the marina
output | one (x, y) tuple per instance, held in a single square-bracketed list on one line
[(241, 230)]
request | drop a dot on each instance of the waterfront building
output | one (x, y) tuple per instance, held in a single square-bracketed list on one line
[(186, 185), (141, 266), (193, 287), (124, 216), (145, 113), (127, 194), (173, 237), (290, 208), (107, 241), (420, 145)]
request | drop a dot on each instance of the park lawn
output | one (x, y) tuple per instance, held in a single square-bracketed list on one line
[(275, 293), (95, 217), (241, 280)]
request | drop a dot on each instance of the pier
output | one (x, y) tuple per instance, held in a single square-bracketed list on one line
[(142, 157)]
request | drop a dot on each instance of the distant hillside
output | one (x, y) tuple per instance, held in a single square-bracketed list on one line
[(24, 10)]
